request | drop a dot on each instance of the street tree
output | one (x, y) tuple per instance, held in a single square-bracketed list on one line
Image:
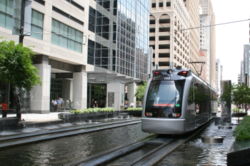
[(241, 95), (140, 91), (17, 70)]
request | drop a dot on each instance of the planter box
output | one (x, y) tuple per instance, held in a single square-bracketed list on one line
[(240, 114), (70, 117), (134, 113), (8, 123), (238, 158)]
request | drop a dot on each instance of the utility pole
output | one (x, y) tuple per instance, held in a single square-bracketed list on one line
[(21, 37), (21, 30)]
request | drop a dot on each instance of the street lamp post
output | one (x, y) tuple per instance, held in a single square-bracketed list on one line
[(21, 30)]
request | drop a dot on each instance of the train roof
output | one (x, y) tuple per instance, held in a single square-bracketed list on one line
[(179, 73)]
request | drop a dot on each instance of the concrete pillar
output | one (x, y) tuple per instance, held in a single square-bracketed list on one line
[(115, 95), (80, 90), (131, 94), (40, 94), (71, 90)]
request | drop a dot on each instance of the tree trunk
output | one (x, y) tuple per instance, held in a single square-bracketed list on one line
[(16, 96), (246, 108)]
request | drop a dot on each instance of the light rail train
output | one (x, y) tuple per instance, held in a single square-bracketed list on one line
[(176, 102)]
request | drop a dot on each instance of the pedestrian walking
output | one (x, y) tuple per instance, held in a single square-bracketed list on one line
[(54, 105)]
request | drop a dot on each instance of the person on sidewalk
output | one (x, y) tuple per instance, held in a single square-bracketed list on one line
[(4, 109), (54, 105)]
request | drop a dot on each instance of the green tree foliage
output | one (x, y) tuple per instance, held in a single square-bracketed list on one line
[(241, 95), (16, 69), (140, 91)]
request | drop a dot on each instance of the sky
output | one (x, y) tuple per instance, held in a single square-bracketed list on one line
[(231, 38)]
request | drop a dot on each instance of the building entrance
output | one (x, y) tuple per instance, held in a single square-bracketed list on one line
[(97, 95), (60, 94)]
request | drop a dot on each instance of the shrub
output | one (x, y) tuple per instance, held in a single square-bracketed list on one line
[(236, 109), (134, 109), (92, 110), (242, 131)]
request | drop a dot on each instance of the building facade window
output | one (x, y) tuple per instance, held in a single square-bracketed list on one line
[(98, 23), (164, 38), (164, 29), (164, 46), (164, 21), (152, 30), (91, 19), (37, 25), (6, 13), (153, 5), (152, 21), (66, 36), (42, 2), (91, 52), (163, 63), (164, 55), (161, 4), (151, 38), (63, 13), (76, 4), (98, 54), (104, 3)]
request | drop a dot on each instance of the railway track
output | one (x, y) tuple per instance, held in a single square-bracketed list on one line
[(21, 139), (146, 153)]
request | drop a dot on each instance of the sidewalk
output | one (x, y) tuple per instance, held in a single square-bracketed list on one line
[(33, 122), (36, 118), (40, 118)]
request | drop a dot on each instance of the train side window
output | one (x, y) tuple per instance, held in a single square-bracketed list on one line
[(191, 94), (198, 90)]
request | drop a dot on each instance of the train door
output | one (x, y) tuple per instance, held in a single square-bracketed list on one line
[(190, 111), (202, 101)]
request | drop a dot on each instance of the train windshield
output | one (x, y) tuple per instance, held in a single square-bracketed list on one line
[(164, 99)]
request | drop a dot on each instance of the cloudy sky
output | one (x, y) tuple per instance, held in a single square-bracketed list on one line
[(230, 38)]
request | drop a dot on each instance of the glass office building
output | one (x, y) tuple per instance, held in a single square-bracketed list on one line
[(127, 32)]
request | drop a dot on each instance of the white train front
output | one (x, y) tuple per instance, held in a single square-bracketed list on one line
[(176, 102)]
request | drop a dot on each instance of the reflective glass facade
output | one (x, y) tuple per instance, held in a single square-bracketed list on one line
[(128, 34)]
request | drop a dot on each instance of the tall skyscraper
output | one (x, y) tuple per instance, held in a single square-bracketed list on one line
[(193, 8), (179, 37), (207, 43), (246, 65), (168, 35)]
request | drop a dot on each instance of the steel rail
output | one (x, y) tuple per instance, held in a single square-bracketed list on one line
[(149, 159)]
